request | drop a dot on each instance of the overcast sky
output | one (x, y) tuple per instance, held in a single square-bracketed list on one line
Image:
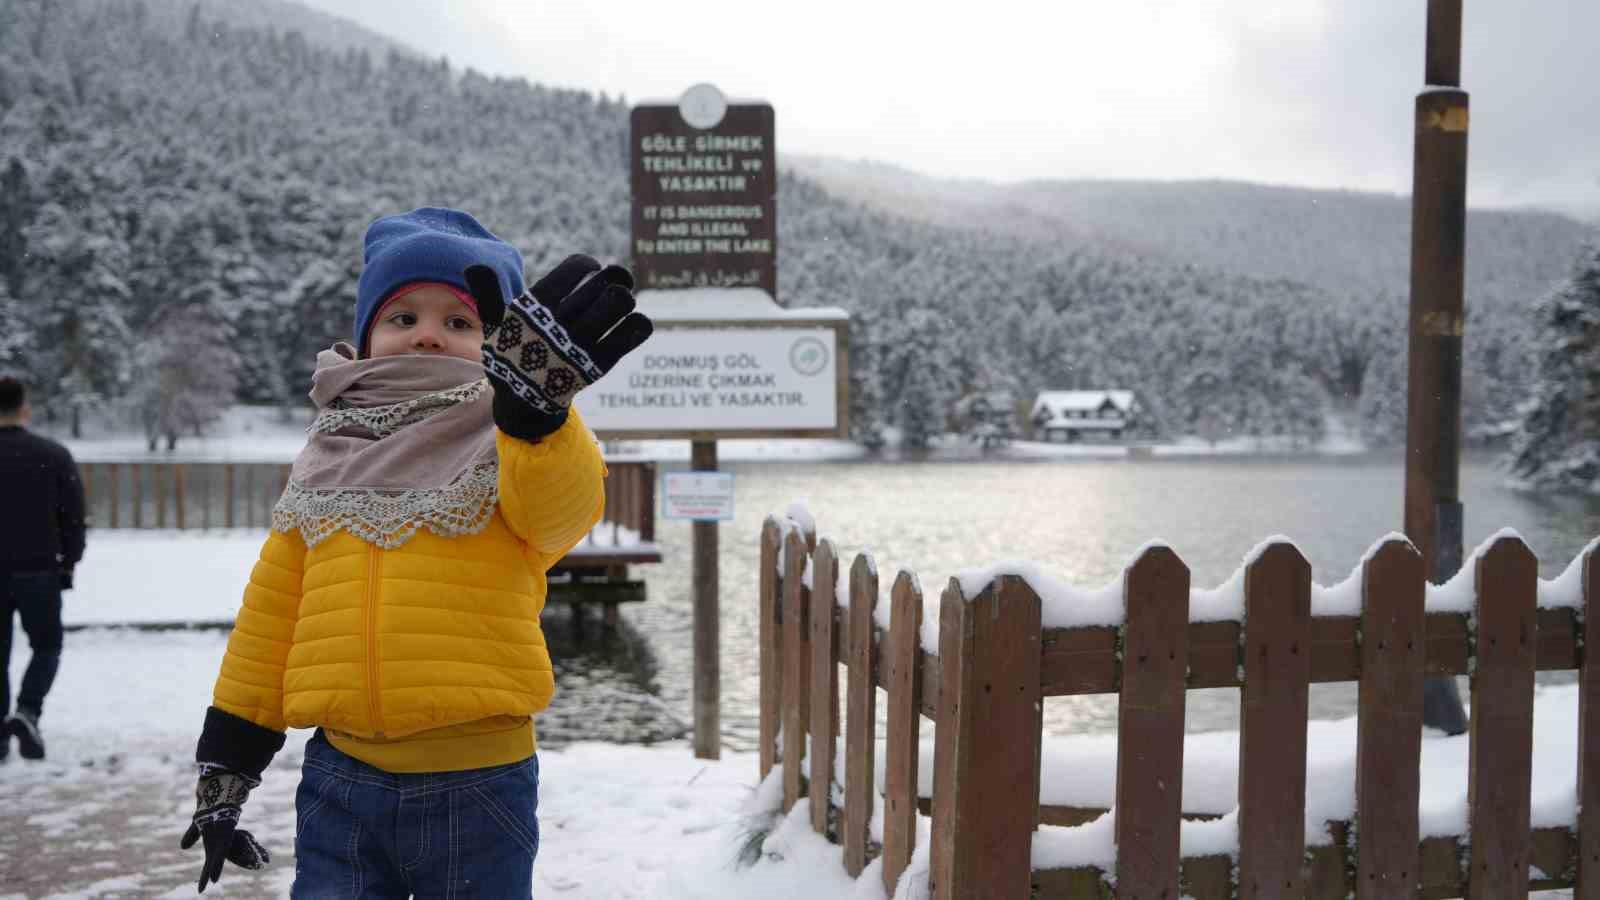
[(1307, 92)]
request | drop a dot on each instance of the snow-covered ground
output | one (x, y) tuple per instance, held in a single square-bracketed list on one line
[(102, 816)]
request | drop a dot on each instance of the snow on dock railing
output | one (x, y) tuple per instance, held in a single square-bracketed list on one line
[(1012, 814)]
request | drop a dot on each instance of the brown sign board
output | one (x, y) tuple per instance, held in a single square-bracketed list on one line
[(704, 199)]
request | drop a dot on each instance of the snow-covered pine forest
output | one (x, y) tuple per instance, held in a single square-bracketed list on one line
[(1557, 442), (182, 198)]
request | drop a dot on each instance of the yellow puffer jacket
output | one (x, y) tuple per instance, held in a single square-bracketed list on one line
[(428, 657)]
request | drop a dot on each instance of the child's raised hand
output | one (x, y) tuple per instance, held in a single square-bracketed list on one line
[(560, 336)]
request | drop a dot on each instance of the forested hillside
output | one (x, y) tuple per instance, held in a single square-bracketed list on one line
[(182, 201), (1354, 246)]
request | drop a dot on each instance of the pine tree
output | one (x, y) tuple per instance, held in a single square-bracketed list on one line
[(1558, 445), (16, 213)]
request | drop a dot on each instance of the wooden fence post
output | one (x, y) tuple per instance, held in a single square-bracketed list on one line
[(1501, 755), (983, 816), (1588, 850), (824, 681), (160, 476), (903, 679), (177, 494), (227, 489), (1389, 723), (861, 697), (114, 472), (205, 497), (138, 493), (769, 634), (647, 525), (796, 663), (1272, 725), (89, 498), (1155, 664)]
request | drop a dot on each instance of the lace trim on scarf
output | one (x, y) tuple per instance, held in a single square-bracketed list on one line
[(383, 421), (388, 518)]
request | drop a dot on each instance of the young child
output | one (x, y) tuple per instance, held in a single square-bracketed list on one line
[(395, 607)]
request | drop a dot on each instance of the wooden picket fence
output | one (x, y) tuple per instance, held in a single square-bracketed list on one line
[(996, 663)]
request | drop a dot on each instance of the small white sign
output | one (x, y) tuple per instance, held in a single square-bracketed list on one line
[(702, 496)]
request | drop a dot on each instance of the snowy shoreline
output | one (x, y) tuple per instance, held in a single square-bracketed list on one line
[(267, 435)]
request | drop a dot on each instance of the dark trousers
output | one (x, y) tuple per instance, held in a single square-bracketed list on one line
[(37, 597)]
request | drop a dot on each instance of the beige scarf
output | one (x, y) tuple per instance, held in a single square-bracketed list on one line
[(399, 443)]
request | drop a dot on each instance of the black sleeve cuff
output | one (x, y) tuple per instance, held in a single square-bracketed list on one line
[(238, 744), (522, 421)]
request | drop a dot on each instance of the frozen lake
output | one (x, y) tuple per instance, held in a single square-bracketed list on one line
[(1081, 520)]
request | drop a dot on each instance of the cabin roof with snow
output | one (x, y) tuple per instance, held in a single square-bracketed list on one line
[(1059, 402)]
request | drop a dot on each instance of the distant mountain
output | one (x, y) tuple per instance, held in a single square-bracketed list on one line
[(320, 29), (1346, 242)]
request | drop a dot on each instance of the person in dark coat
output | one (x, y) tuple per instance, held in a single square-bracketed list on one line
[(41, 540)]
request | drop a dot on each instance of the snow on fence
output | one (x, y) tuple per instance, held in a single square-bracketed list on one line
[(1004, 642), (241, 495)]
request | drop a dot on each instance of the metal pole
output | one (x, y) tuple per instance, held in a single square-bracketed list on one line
[(707, 638), (1433, 512)]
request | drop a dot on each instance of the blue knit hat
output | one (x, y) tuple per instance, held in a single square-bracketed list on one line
[(428, 244)]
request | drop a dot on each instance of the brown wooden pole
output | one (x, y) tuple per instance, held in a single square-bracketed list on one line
[(1443, 66), (707, 636), (114, 471), (1433, 512), (138, 471), (1438, 258)]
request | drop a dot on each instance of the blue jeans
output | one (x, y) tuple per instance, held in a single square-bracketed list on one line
[(36, 596), (362, 832)]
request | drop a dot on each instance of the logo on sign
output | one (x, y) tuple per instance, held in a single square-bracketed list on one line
[(808, 356), (703, 106)]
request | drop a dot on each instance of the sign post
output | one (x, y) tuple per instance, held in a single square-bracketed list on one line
[(707, 621), (725, 359), (1433, 513)]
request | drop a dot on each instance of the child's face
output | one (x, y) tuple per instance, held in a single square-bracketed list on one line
[(429, 319)]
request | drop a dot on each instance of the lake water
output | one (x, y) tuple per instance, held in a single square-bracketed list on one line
[(1082, 520)]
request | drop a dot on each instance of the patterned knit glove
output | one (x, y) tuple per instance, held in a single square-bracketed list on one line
[(219, 798), (557, 338), (232, 754)]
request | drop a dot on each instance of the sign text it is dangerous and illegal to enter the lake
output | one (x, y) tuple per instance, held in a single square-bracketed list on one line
[(726, 360)]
